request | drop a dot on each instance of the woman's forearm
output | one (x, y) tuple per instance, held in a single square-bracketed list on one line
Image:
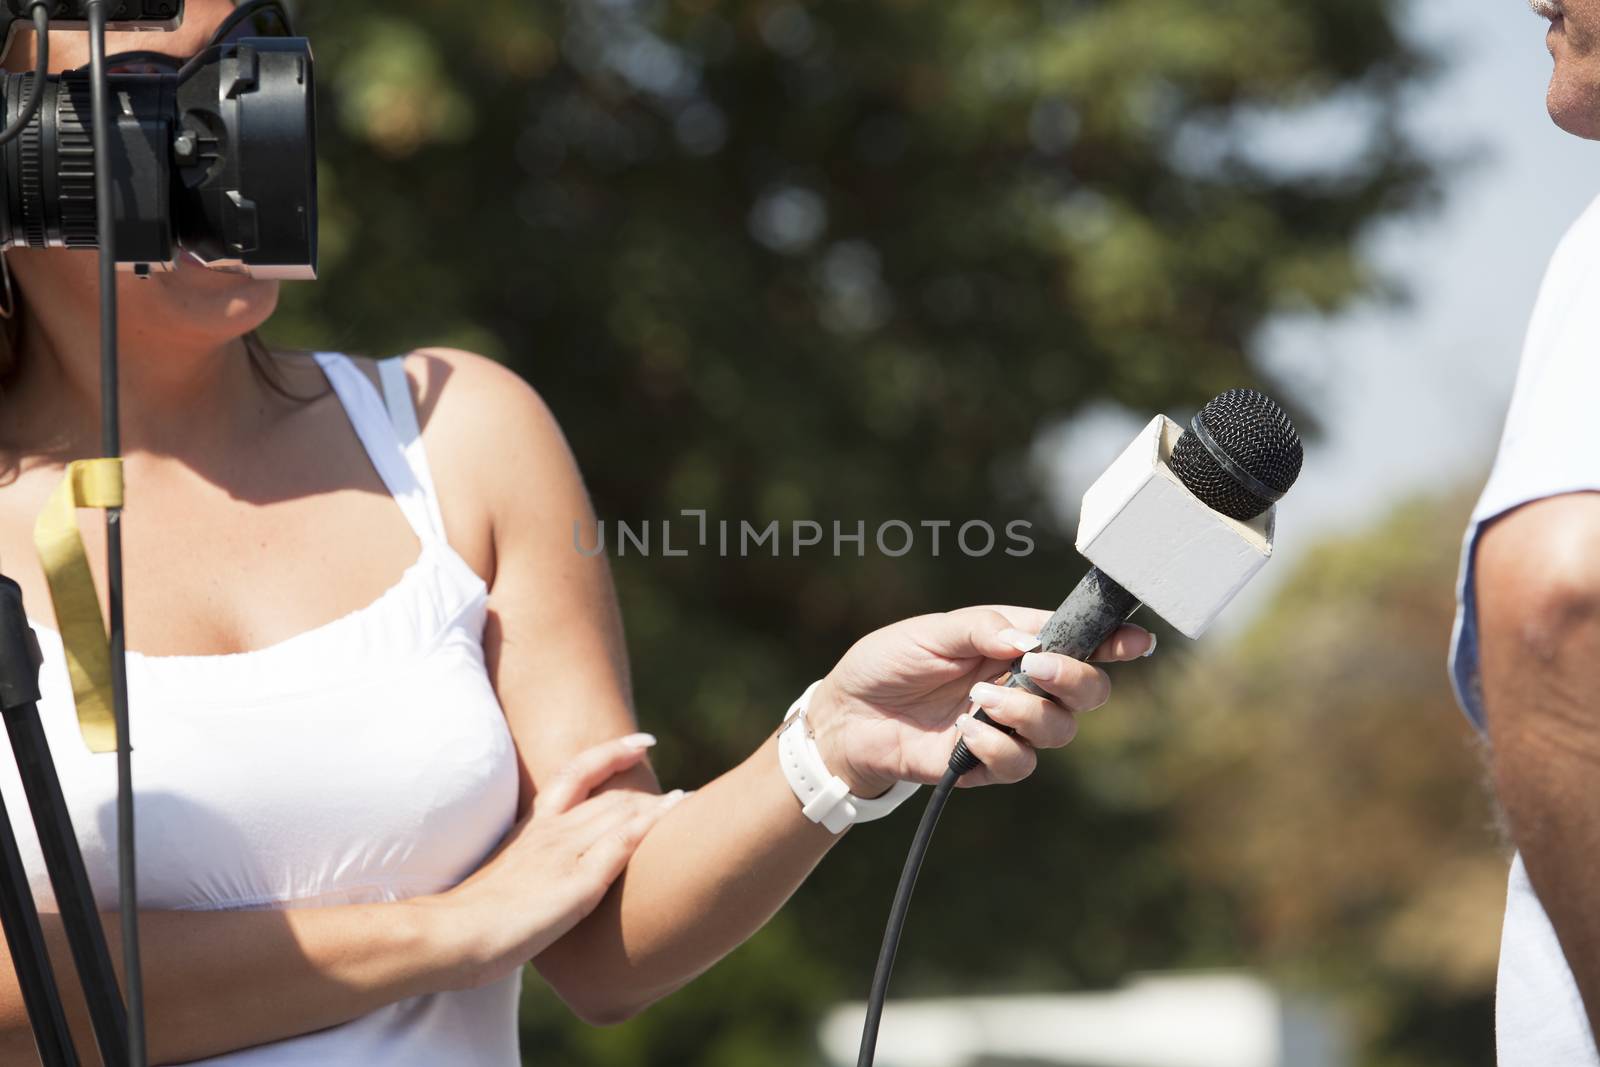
[(219, 981), (708, 876)]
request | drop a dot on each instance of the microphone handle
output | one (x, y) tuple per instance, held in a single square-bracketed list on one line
[(1089, 615)]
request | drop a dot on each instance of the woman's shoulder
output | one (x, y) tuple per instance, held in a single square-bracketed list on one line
[(491, 442), (474, 407), (449, 381)]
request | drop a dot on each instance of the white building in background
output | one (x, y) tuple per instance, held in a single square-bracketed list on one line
[(1196, 1020)]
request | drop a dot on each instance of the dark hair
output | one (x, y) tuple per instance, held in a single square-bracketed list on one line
[(10, 335)]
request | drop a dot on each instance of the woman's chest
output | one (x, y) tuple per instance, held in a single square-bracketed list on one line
[(223, 561), (206, 577), (384, 780)]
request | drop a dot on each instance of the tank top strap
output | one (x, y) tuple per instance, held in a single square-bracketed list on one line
[(403, 417), (387, 428)]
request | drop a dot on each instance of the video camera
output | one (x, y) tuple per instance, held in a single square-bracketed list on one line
[(214, 154)]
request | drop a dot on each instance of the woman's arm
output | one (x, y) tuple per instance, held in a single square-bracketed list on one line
[(714, 870), (708, 876), (226, 980), (717, 867), (218, 981)]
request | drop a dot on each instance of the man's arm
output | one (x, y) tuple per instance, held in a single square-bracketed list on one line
[(1538, 607)]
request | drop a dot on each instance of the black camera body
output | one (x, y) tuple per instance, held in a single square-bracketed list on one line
[(217, 159)]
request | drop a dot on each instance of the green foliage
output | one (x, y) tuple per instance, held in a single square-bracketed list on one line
[(1320, 777), (844, 261)]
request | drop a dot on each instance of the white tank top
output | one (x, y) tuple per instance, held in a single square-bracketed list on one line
[(365, 760), (1547, 450)]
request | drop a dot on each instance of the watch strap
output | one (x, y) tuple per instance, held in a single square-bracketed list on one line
[(825, 797)]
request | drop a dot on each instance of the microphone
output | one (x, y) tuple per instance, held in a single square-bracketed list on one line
[(1180, 522)]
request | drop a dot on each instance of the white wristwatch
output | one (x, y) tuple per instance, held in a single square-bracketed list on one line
[(824, 796)]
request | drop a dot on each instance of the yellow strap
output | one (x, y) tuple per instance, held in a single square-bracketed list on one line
[(89, 483)]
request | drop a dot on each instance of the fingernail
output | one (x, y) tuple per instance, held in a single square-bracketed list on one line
[(968, 726), (1040, 666), (1017, 639), (639, 740), (1152, 649), (672, 798), (987, 696)]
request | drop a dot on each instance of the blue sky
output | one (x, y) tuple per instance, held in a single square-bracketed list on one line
[(1416, 395)]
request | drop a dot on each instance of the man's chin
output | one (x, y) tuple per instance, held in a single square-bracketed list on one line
[(1575, 107), (1580, 122)]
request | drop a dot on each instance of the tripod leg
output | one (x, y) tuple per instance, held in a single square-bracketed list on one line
[(19, 695), (79, 915), (40, 994)]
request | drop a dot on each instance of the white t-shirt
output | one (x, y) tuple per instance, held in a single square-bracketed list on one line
[(1547, 450)]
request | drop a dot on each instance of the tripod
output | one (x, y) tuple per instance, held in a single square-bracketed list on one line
[(120, 1044), (19, 699)]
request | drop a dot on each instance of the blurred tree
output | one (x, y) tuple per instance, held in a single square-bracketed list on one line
[(1320, 776), (844, 261)]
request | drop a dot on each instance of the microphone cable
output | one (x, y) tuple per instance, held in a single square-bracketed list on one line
[(961, 761), (897, 911), (1085, 619)]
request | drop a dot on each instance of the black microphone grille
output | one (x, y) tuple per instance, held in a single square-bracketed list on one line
[(1240, 454)]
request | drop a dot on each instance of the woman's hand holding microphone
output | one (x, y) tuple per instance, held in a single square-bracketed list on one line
[(893, 708)]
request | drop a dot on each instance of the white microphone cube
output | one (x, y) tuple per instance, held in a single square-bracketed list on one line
[(1184, 561)]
